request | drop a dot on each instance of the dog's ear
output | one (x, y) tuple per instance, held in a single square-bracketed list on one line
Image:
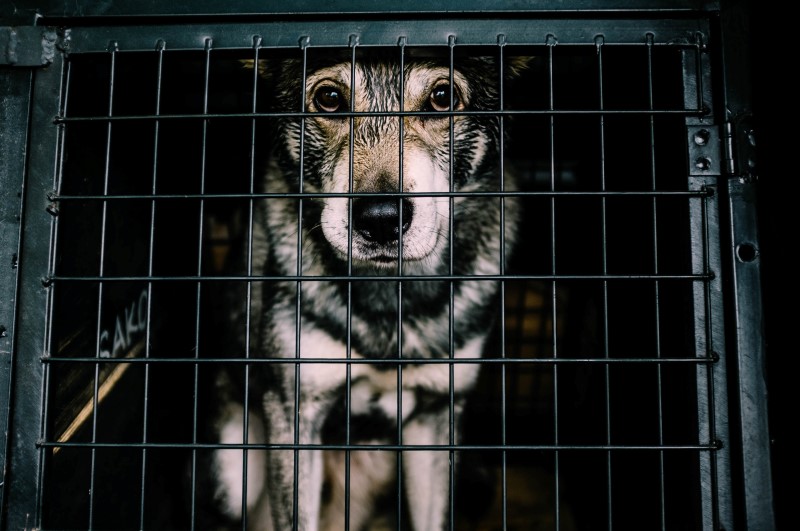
[(250, 63)]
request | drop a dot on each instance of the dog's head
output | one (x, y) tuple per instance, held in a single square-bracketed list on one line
[(357, 141)]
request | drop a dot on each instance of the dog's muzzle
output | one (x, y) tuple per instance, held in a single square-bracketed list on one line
[(373, 230), (381, 221)]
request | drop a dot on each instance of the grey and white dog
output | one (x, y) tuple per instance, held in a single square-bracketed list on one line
[(392, 198)]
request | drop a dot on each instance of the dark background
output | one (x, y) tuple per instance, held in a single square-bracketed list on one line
[(775, 111)]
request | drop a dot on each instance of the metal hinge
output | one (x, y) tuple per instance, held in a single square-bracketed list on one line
[(742, 146), (27, 45), (728, 149)]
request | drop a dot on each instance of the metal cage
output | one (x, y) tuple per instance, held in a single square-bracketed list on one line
[(613, 392)]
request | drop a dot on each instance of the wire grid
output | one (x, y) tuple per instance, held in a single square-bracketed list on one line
[(545, 300)]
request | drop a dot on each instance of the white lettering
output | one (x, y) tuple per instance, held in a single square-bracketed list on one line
[(131, 326), (104, 352), (142, 313), (135, 318), (119, 338)]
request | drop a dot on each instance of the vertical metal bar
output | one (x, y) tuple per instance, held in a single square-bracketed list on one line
[(501, 43), (736, 20), (656, 286), (712, 400), (199, 270), (24, 475), (752, 390), (551, 44), (401, 43), (249, 272), (113, 48), (603, 229), (160, 46), (451, 41), (304, 41), (716, 502), (353, 44), (53, 209)]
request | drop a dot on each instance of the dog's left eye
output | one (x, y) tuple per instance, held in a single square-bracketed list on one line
[(440, 98), (328, 99)]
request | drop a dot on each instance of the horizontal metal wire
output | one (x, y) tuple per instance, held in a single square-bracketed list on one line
[(384, 447), (386, 361), (319, 195), (374, 114), (691, 277)]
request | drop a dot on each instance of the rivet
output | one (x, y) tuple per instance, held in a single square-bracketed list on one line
[(701, 137), (703, 163)]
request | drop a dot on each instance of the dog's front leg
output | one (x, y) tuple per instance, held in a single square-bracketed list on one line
[(290, 469), (426, 474)]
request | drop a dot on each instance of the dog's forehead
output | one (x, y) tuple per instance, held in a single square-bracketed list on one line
[(378, 82), (387, 73)]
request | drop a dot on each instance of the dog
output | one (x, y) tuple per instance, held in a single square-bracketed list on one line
[(353, 285)]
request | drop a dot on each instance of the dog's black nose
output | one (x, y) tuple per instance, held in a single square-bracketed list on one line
[(378, 219)]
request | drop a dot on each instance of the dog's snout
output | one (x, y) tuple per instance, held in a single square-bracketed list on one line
[(378, 220)]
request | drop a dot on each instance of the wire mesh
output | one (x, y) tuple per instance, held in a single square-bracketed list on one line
[(586, 410)]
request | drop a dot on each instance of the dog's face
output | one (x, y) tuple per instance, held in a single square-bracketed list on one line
[(376, 161), (377, 151)]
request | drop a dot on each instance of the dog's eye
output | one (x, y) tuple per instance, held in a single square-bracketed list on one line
[(440, 98), (328, 99)]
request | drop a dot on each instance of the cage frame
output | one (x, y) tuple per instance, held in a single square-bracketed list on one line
[(28, 190)]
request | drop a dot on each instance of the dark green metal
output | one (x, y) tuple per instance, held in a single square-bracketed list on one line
[(86, 10), (15, 87), (735, 475), (23, 481)]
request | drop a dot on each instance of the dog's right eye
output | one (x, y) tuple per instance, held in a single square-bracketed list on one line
[(328, 99), (439, 99)]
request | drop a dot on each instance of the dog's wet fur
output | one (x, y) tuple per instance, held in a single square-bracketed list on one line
[(398, 217)]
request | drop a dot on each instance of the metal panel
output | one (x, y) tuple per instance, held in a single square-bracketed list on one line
[(416, 32), (15, 87), (85, 9), (752, 388), (744, 258), (712, 389), (712, 393), (23, 482)]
